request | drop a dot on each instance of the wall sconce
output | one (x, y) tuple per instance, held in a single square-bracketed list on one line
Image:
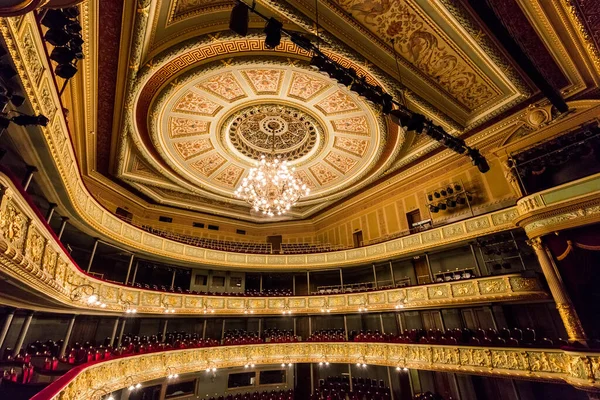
[(401, 303), (205, 307), (324, 362), (128, 306), (132, 386), (247, 309), (103, 391), (364, 307), (87, 294), (286, 308), (165, 306), (326, 308), (171, 375)]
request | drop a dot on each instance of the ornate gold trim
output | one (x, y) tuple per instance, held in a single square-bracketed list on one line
[(562, 207), (579, 369), (30, 254)]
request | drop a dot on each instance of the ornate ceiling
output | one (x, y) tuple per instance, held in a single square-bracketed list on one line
[(194, 105), (216, 122)]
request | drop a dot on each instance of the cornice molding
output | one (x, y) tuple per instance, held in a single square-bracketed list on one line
[(580, 369)]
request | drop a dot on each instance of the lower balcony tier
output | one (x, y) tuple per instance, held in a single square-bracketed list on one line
[(575, 367)]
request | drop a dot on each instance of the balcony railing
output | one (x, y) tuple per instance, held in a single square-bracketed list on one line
[(33, 255), (578, 368)]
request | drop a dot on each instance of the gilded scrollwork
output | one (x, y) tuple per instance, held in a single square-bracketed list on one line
[(492, 286), (49, 260), (523, 284), (554, 365), (34, 248), (13, 225)]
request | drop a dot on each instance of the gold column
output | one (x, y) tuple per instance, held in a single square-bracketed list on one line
[(561, 298)]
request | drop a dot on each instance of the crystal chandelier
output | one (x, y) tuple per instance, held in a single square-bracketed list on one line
[(271, 187)]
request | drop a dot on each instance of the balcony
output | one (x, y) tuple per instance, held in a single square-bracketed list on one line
[(562, 207), (32, 255), (578, 368)]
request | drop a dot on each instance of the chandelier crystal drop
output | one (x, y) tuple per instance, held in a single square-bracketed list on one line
[(271, 187)]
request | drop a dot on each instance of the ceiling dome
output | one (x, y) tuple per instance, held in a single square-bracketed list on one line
[(213, 125)]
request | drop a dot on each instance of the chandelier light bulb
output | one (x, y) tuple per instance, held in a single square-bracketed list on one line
[(271, 187)]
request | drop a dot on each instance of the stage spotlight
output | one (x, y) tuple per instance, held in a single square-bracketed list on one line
[(74, 27), (457, 187), (238, 21), (24, 120), (442, 206), (437, 195), (329, 68), (430, 197), (359, 87), (17, 100), (401, 116), (450, 190), (76, 41), (317, 62), (57, 37), (71, 12), (451, 203), (433, 209), (386, 103), (460, 200), (373, 95), (273, 31), (66, 71), (479, 161), (342, 77), (55, 18), (62, 55), (443, 193)]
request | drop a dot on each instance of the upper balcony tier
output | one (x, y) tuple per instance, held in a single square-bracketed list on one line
[(32, 255)]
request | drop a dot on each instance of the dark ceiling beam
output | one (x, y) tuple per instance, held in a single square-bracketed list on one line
[(497, 28)]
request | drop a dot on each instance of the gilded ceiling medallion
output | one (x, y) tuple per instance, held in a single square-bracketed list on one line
[(255, 128)]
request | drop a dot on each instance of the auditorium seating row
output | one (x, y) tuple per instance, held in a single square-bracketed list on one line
[(339, 388), (327, 335), (239, 336), (272, 395), (214, 244), (243, 247), (274, 335), (308, 248), (86, 352)]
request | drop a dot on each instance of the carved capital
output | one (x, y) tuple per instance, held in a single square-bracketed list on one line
[(536, 243)]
